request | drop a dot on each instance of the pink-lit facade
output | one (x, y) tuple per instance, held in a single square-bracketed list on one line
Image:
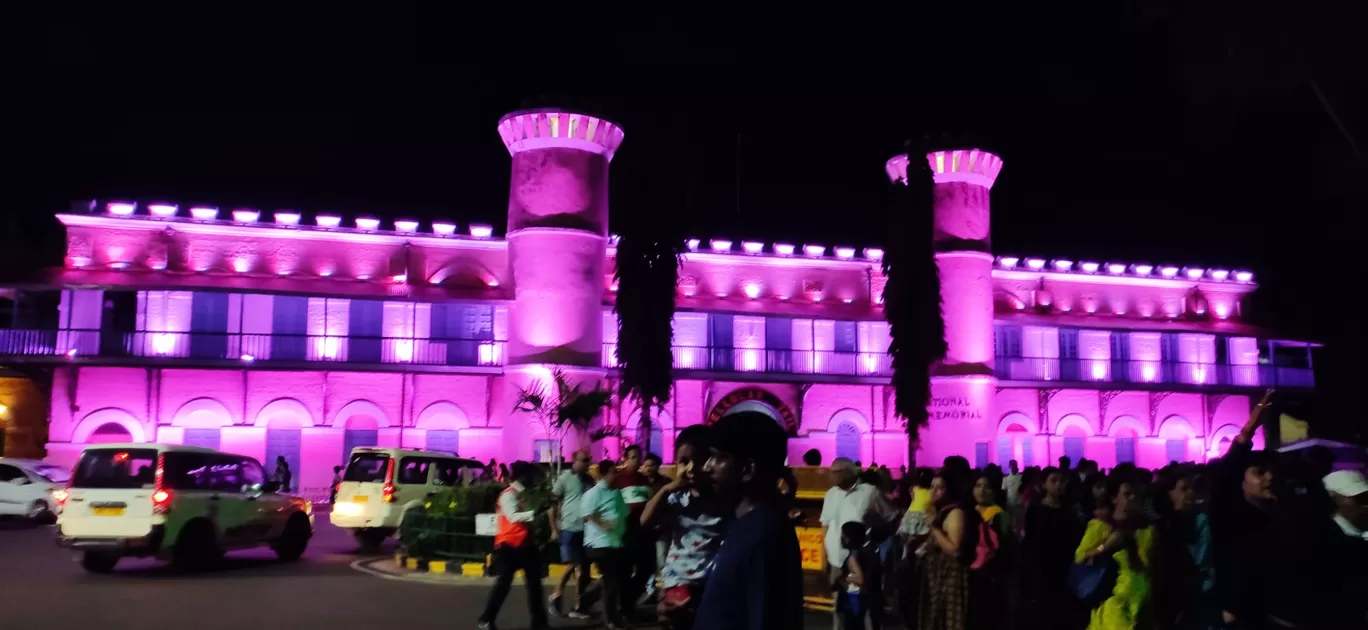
[(277, 334)]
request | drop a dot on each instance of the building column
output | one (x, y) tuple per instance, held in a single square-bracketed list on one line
[(557, 251)]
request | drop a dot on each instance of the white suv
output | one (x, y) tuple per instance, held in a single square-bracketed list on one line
[(27, 487), (180, 503), (380, 484)]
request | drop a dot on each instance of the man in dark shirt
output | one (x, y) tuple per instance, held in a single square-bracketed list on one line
[(1051, 535), (757, 576)]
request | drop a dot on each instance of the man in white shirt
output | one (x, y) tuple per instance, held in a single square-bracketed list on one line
[(605, 523), (1011, 484), (514, 549), (567, 528), (847, 501)]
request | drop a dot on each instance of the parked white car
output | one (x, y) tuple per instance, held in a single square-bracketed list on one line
[(181, 503), (380, 484), (28, 488)]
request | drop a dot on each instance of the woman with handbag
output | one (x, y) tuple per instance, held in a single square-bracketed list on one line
[(943, 565), (1116, 552)]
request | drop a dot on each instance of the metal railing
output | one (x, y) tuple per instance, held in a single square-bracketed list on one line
[(277, 347), (1151, 372), (822, 362)]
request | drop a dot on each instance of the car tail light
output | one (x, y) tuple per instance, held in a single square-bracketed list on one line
[(389, 482), (161, 497)]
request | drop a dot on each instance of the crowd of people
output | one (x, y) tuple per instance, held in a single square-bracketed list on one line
[(718, 536), (1245, 541)]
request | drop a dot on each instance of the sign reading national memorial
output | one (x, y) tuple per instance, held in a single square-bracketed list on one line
[(953, 408)]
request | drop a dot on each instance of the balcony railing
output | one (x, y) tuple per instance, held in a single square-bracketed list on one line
[(276, 347), (1151, 372), (353, 349)]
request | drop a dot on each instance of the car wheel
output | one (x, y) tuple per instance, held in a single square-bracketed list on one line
[(96, 562), (370, 539), (196, 547), (295, 540), (39, 514)]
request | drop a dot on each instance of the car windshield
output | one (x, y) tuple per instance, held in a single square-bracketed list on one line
[(53, 474), (116, 469), (367, 467)]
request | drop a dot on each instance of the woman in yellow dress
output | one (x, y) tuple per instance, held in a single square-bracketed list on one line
[(1128, 539)]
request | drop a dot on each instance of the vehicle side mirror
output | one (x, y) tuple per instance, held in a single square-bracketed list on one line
[(270, 487)]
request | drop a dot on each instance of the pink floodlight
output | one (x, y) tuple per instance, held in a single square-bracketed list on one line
[(121, 208), (1143, 270), (752, 247), (246, 215), (1168, 272), (1063, 265), (1116, 269), (247, 358), (328, 220), (1244, 276), (752, 290), (368, 224), (815, 251), (1195, 273), (480, 230), (614, 239), (783, 249), (405, 225), (1008, 262), (203, 213), (1035, 263), (163, 210), (1219, 275), (873, 253), (443, 228), (692, 244), (845, 253), (720, 245), (1089, 267), (287, 217)]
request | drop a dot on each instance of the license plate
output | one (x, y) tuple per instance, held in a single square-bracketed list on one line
[(107, 511), (360, 499)]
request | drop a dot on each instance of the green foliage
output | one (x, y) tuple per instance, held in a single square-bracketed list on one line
[(568, 407), (647, 273), (444, 526)]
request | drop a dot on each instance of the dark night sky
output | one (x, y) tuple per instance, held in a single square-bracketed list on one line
[(1131, 130)]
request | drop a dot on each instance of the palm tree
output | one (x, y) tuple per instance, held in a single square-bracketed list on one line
[(568, 407), (647, 272), (912, 298)]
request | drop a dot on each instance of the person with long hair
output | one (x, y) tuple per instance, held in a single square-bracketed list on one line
[(992, 581), (1126, 539), (943, 568), (1183, 572)]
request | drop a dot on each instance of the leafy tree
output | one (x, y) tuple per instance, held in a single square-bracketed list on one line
[(912, 298), (647, 272), (566, 408)]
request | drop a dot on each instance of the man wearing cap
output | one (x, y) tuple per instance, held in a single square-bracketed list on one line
[(1349, 491), (757, 576), (1347, 556)]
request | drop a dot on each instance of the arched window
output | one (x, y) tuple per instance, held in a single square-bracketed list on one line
[(848, 441), (361, 431)]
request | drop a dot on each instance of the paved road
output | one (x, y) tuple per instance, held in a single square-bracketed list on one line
[(41, 587)]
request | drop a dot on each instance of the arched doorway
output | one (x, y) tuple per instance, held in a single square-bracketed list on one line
[(1016, 431)]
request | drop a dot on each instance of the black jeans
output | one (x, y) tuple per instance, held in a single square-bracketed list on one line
[(611, 564), (507, 561), (641, 563)]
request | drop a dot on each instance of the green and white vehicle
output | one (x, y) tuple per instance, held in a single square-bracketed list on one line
[(178, 503)]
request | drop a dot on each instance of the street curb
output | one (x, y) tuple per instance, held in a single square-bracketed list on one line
[(442, 572)]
